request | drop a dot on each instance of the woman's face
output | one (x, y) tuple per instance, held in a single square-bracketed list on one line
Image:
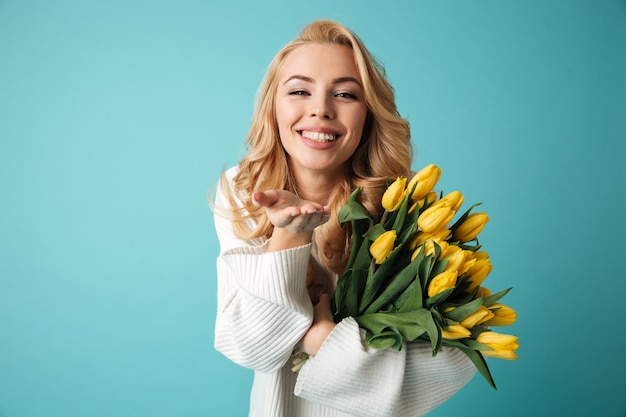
[(320, 108)]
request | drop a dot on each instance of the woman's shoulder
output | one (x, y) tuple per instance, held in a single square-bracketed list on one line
[(229, 173), (226, 181)]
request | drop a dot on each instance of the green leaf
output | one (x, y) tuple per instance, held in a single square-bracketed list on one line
[(463, 283), (495, 297), (383, 272), (481, 365), (474, 345), (410, 325), (460, 296), (424, 270), (412, 217), (462, 218), (412, 297), (439, 267), (439, 320), (428, 203), (460, 313), (341, 290), (398, 222), (374, 232), (354, 292), (352, 211), (434, 332), (384, 340), (395, 286), (453, 343), (439, 298), (408, 233), (359, 246), (362, 257)]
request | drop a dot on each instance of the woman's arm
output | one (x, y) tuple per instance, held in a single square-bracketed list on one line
[(263, 305)]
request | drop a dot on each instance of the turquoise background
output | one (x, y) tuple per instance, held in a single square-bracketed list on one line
[(116, 118)]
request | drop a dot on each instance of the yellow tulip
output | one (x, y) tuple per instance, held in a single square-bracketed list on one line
[(455, 199), (455, 331), (469, 262), (421, 237), (481, 254), (471, 227), (503, 345), (435, 218), (382, 246), (478, 317), (471, 258), (393, 195), (429, 248), (431, 197), (441, 282), (478, 272), (503, 315), (441, 234), (420, 249), (456, 258), (426, 179)]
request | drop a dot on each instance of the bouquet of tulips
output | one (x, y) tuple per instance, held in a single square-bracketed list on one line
[(417, 275)]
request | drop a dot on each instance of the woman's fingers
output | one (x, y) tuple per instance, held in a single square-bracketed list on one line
[(311, 218), (264, 198), (285, 209)]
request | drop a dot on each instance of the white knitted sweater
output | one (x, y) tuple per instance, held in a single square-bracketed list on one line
[(264, 310)]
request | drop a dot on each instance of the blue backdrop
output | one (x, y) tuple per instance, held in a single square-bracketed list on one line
[(116, 118)]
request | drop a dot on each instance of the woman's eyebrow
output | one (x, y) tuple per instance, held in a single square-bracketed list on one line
[(299, 77), (335, 81), (347, 80)]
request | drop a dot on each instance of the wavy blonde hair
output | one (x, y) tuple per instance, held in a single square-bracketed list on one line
[(384, 152)]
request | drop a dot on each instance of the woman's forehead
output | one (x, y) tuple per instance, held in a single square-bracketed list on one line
[(313, 61)]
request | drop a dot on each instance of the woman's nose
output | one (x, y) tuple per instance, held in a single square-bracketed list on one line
[(322, 107)]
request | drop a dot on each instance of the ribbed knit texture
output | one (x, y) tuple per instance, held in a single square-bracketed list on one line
[(264, 310)]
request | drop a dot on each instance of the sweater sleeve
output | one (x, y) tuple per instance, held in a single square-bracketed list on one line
[(263, 305), (349, 376)]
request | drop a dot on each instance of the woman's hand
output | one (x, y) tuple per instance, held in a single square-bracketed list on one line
[(293, 218), (288, 211), (321, 327)]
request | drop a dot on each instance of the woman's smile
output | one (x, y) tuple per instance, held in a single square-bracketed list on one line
[(318, 136)]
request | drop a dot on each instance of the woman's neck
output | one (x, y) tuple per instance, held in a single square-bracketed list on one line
[(315, 186)]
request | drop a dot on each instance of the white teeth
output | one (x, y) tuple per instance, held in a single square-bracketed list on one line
[(318, 136)]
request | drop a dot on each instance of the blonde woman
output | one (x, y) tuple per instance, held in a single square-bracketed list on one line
[(325, 122)]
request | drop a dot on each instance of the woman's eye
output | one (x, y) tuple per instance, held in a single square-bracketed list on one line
[(347, 95), (298, 93)]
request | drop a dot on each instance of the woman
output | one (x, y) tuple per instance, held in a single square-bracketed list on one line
[(325, 122)]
